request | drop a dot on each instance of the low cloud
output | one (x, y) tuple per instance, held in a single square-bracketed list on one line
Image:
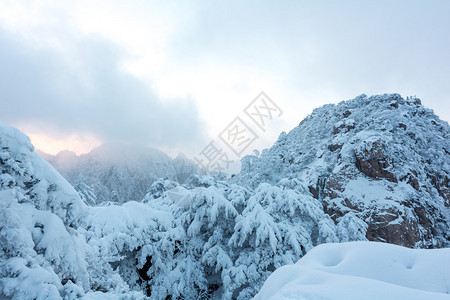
[(171, 73), (90, 93)]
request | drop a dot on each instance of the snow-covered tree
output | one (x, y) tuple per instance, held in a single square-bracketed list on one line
[(277, 227), (85, 191)]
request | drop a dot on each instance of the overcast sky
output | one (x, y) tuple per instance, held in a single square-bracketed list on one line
[(174, 74)]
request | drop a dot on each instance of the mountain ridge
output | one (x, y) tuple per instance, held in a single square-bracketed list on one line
[(119, 172)]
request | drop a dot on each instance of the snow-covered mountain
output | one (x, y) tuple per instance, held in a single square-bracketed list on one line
[(119, 172), (369, 168), (384, 159)]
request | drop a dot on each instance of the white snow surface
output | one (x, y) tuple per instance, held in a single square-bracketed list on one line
[(362, 270)]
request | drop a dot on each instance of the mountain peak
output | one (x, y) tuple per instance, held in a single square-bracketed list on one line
[(369, 155)]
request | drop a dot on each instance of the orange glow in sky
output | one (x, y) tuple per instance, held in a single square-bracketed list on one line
[(75, 142)]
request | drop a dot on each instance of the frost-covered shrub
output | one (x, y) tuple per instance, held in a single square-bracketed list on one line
[(277, 227), (39, 255), (41, 252), (351, 228), (221, 241), (85, 191), (43, 249)]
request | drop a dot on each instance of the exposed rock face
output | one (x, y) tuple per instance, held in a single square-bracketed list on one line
[(382, 158), (382, 227), (372, 162)]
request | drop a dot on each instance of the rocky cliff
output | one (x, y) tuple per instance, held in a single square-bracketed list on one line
[(384, 158)]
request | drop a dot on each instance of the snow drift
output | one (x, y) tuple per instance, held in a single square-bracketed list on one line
[(360, 271)]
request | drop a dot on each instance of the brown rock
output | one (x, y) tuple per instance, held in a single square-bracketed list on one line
[(414, 182), (441, 182), (334, 147), (394, 104), (402, 125), (347, 113), (314, 191), (387, 225), (373, 163), (342, 128)]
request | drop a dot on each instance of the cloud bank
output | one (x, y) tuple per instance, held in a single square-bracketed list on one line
[(174, 74)]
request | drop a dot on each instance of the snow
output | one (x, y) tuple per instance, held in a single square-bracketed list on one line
[(44, 254), (362, 270), (213, 237), (370, 191), (39, 251)]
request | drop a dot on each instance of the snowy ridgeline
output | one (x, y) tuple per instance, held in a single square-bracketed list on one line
[(118, 172), (207, 239), (362, 271)]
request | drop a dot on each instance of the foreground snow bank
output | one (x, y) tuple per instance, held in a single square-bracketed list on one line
[(362, 270)]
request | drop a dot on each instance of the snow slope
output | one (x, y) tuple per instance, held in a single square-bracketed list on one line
[(362, 270)]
